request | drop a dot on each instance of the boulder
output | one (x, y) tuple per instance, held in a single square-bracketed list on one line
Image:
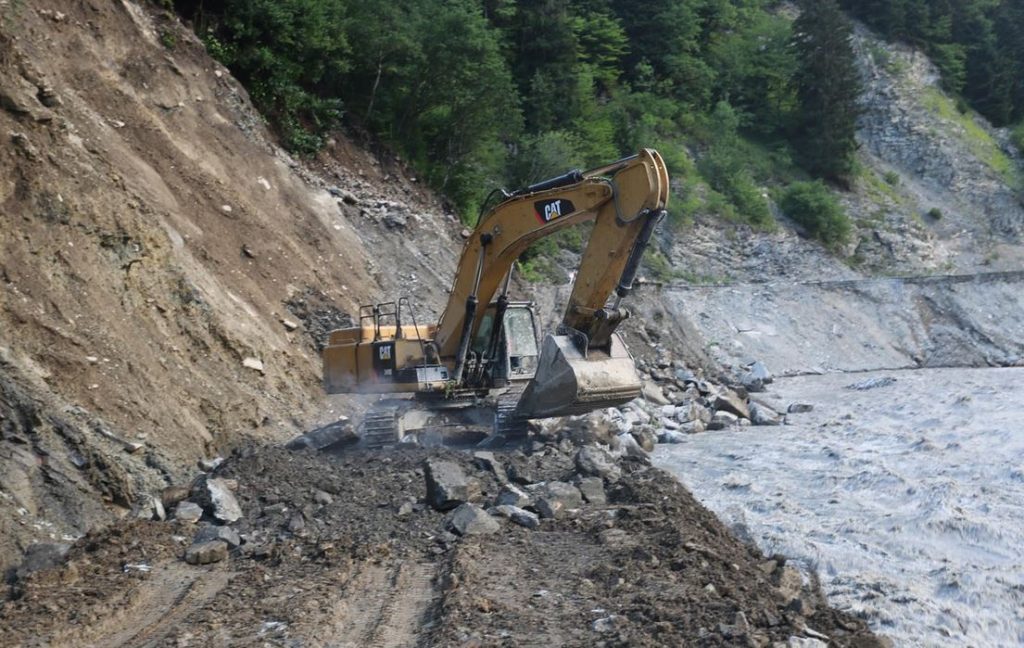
[(799, 408), (447, 484), (592, 489), (512, 495), (722, 420), (210, 532), (671, 436), (595, 462), (188, 512), (517, 515), (763, 415), (555, 499), (205, 553), (470, 519), (730, 401), (646, 437), (653, 393), (339, 434), (216, 498), (487, 461), (631, 448)]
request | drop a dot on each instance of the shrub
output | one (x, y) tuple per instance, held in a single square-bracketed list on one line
[(811, 205), (1017, 135), (891, 178), (935, 213)]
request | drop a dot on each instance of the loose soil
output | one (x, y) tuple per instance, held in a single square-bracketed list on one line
[(652, 568)]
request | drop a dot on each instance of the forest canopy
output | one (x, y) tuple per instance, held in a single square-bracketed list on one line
[(485, 93)]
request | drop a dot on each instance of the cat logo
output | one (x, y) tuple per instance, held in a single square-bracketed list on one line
[(384, 352), (549, 210)]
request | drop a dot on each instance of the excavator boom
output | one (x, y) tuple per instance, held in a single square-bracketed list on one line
[(483, 341)]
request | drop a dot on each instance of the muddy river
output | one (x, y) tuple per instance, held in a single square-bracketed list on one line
[(907, 499)]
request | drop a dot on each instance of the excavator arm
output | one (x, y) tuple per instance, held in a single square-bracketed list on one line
[(584, 365)]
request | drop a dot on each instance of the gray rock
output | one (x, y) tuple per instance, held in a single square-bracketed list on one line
[(672, 436), (555, 499), (210, 532), (645, 437), (730, 401), (805, 642), (631, 448), (205, 553), (873, 383), (487, 461), (42, 555), (653, 393), (512, 495), (447, 484), (339, 434), (517, 515), (188, 512), (152, 508), (694, 427), (322, 498), (722, 420), (595, 462), (764, 415), (297, 524), (592, 489), (799, 408), (470, 519), (209, 465), (216, 498)]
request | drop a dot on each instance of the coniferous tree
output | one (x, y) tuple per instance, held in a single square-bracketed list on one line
[(828, 87)]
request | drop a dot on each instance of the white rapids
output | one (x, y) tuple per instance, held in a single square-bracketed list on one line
[(906, 499)]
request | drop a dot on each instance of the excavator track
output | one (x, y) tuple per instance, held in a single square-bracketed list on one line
[(380, 427), (506, 423)]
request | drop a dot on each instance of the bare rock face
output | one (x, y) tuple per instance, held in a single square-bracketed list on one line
[(216, 498), (447, 484)]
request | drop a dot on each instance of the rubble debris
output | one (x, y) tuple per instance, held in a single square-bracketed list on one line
[(517, 515), (208, 532), (555, 499), (205, 553), (447, 484), (188, 512), (470, 519), (593, 461), (215, 496)]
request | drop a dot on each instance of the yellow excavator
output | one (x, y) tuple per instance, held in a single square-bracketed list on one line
[(482, 363)]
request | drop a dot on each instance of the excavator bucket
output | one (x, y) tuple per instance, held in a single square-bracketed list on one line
[(568, 382)]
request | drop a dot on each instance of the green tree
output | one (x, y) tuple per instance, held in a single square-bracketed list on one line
[(828, 87)]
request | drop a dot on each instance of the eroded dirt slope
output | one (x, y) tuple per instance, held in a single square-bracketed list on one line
[(165, 270)]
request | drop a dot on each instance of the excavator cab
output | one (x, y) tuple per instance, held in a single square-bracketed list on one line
[(514, 358)]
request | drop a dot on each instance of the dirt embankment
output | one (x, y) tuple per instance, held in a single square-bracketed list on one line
[(165, 270), (350, 551)]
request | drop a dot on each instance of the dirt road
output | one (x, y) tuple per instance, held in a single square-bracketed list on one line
[(344, 551)]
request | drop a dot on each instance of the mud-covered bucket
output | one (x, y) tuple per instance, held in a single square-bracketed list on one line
[(568, 383)]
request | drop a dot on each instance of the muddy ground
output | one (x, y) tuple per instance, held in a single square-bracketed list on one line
[(345, 551)]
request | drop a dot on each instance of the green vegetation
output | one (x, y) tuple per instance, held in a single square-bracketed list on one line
[(484, 93), (828, 86), (811, 205), (1017, 135), (979, 141), (977, 44), (935, 213)]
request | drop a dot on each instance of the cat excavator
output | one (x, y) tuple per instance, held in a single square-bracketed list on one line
[(483, 362)]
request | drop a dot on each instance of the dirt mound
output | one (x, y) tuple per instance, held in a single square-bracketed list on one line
[(347, 551)]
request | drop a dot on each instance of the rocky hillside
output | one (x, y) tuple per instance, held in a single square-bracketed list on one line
[(938, 190), (166, 271)]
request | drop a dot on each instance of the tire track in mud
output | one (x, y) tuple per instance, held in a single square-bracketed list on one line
[(152, 611), (385, 606)]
